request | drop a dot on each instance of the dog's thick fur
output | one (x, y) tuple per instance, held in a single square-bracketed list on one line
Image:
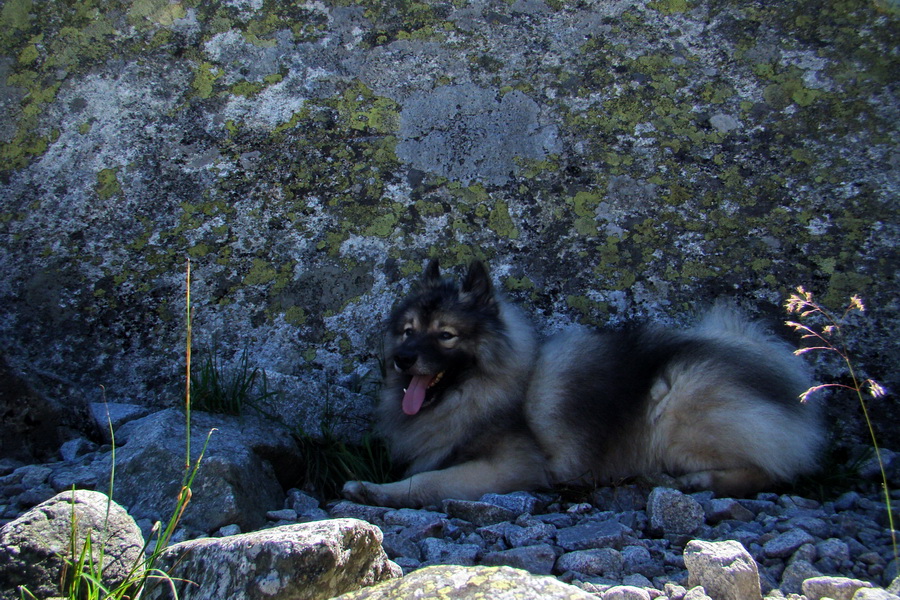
[(474, 405)]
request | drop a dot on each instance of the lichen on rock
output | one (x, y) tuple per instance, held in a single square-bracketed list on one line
[(625, 159)]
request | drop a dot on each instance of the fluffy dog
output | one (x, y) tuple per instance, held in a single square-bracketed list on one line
[(473, 404)]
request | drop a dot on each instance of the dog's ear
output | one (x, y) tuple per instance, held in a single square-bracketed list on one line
[(432, 272), (478, 284)]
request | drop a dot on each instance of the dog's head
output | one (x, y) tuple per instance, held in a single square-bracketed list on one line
[(438, 333)]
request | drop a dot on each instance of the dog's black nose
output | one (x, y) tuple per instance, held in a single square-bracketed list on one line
[(405, 359)]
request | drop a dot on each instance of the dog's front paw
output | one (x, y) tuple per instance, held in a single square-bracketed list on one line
[(355, 491), (373, 494), (364, 492)]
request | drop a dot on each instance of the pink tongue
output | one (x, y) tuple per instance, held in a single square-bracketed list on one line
[(415, 393)]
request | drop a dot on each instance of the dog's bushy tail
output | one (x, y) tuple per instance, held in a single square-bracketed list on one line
[(726, 321), (750, 342), (759, 365)]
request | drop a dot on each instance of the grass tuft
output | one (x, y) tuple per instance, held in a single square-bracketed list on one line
[(216, 389)]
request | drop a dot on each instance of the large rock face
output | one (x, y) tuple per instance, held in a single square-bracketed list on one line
[(611, 160)]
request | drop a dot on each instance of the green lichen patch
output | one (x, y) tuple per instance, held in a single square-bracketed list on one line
[(260, 273), (405, 19), (108, 184), (360, 109), (155, 12), (500, 221), (383, 225), (668, 7), (16, 15), (296, 316), (205, 77)]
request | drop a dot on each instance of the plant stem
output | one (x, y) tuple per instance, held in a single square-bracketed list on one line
[(884, 487), (187, 391)]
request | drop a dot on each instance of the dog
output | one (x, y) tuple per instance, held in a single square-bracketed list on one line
[(474, 404)]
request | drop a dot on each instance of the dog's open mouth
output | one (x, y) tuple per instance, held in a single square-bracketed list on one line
[(415, 392)]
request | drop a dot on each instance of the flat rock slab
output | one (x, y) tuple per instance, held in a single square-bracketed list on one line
[(313, 561), (449, 582)]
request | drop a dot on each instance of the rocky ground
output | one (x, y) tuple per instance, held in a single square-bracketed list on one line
[(626, 536), (618, 536)]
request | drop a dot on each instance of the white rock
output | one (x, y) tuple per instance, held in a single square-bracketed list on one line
[(625, 592), (836, 588), (724, 569)]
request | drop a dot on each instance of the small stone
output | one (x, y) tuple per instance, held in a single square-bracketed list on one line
[(417, 524), (593, 534), (696, 593), (759, 505), (724, 569), (499, 531), (834, 549), (33, 475), (517, 502), (637, 580), (620, 499), (407, 564), (477, 513), (229, 530), (81, 477), (558, 520), (285, 514), (722, 509), (316, 514), (625, 592), (72, 449), (812, 525), (836, 588), (397, 546), (439, 551), (34, 496), (805, 552), (785, 544), (603, 562), (115, 414), (351, 510), (536, 533), (8, 465), (634, 556), (673, 512), (301, 502), (538, 559), (795, 574), (674, 591)]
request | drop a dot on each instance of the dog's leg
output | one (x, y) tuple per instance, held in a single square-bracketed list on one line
[(735, 482), (467, 481), (510, 472)]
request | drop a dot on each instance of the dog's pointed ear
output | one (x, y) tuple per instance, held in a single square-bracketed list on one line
[(432, 272), (478, 284)]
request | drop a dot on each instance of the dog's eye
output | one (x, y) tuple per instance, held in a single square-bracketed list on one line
[(446, 336), (408, 332)]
